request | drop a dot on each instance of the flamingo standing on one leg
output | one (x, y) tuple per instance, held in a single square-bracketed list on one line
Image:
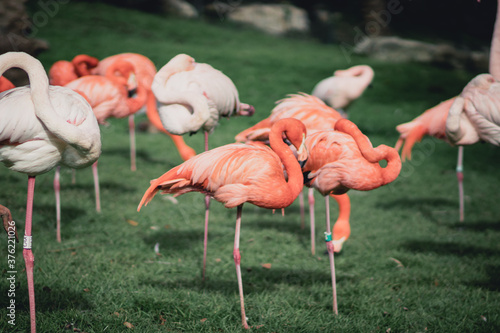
[(344, 159), (43, 126), (473, 117), (193, 96), (145, 71), (315, 115), (344, 86), (108, 97), (237, 173), (434, 121)]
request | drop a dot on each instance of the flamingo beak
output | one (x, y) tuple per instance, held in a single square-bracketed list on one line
[(302, 153)]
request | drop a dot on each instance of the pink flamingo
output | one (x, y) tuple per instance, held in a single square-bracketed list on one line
[(344, 86), (43, 126), (108, 97), (476, 106), (237, 173), (62, 72), (145, 71), (315, 115), (340, 160), (193, 96)]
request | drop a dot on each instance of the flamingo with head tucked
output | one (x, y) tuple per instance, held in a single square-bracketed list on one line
[(109, 97), (145, 71), (43, 126), (344, 86), (340, 160), (315, 115), (237, 173), (62, 72), (193, 96), (475, 115)]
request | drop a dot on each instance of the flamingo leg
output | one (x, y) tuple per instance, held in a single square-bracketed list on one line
[(207, 208), (73, 176), (57, 188), (237, 261), (460, 177), (342, 227), (311, 214), (329, 247), (302, 210), (131, 129), (96, 188), (27, 253)]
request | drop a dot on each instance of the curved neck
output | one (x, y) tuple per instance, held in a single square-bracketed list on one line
[(39, 86), (84, 63), (292, 167), (373, 155)]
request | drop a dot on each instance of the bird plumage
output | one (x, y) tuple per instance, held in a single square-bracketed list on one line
[(310, 110), (344, 86), (194, 96)]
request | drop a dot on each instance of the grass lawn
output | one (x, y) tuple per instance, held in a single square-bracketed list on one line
[(409, 266)]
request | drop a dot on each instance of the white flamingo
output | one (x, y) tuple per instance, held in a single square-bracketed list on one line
[(43, 126)]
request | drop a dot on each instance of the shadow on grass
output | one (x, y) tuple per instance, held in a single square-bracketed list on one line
[(179, 240), (47, 299), (143, 155), (449, 248), (492, 282), (255, 280), (477, 226), (426, 206)]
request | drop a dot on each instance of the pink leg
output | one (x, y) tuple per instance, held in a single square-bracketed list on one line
[(96, 187), (131, 128), (205, 238), (207, 208), (73, 176), (237, 261), (460, 177), (57, 188), (329, 247), (302, 214), (27, 253), (311, 214)]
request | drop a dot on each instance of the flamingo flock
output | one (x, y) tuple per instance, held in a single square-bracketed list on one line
[(306, 140)]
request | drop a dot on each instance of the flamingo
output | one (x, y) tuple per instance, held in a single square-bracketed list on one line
[(340, 160), (108, 97), (62, 72), (43, 126), (315, 115), (344, 86), (470, 104), (145, 71), (193, 96), (237, 173)]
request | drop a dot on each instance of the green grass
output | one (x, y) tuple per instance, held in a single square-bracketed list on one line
[(106, 273)]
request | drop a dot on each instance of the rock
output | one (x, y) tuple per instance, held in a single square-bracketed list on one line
[(15, 35), (396, 49), (274, 19), (180, 8)]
